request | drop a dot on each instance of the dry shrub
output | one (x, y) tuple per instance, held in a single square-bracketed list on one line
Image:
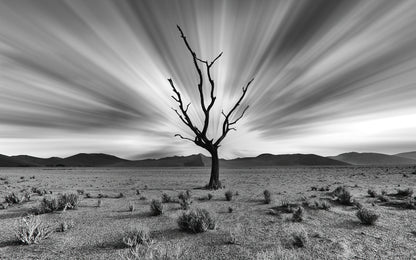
[(343, 195), (196, 221), (13, 198), (372, 193), (31, 230), (156, 208), (298, 215), (267, 196), (185, 199), (166, 198), (140, 235), (228, 195), (296, 236), (367, 217), (405, 192)]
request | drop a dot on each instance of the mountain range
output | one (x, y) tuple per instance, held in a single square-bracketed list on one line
[(200, 160)]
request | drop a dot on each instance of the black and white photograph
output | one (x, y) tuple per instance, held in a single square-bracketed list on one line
[(207, 129)]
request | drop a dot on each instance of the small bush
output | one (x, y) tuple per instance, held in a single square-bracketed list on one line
[(296, 237), (383, 192), (372, 193), (228, 195), (12, 198), (31, 230), (47, 205), (298, 215), (185, 199), (267, 196), (230, 210), (68, 200), (210, 196), (196, 221), (27, 196), (137, 192), (319, 204), (65, 225), (120, 195), (410, 204), (156, 208), (285, 204), (367, 217), (166, 198), (142, 198), (38, 191), (383, 198), (137, 236), (99, 203), (405, 193), (4, 205), (131, 207), (80, 192), (343, 195)]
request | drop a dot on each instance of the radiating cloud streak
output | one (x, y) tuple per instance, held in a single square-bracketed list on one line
[(90, 76)]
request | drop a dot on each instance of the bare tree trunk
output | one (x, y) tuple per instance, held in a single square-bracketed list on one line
[(214, 181)]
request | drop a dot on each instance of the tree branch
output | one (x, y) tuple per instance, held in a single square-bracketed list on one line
[(226, 124), (185, 138)]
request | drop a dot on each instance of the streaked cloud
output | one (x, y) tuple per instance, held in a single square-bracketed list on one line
[(90, 76)]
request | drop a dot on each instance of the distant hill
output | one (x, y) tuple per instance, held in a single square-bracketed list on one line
[(282, 160), (200, 160), (372, 159), (408, 155), (175, 161), (6, 161), (91, 160), (35, 161)]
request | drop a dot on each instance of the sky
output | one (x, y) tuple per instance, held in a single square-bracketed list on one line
[(91, 76)]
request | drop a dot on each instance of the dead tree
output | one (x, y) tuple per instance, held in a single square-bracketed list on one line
[(230, 119)]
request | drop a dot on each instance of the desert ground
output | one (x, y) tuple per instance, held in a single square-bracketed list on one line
[(246, 227)]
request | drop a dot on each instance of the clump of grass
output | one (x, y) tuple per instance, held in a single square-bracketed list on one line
[(267, 196), (120, 195), (137, 192), (285, 204), (4, 205), (88, 195), (99, 203), (319, 204), (31, 230), (12, 198), (140, 235), (230, 210), (410, 204), (343, 195), (405, 192), (47, 205), (296, 237), (63, 202), (185, 199), (196, 221), (372, 193), (233, 235), (68, 200), (27, 196), (210, 196), (156, 208), (298, 215), (65, 225), (142, 198), (38, 191), (80, 192), (383, 198), (166, 198), (366, 216), (228, 195), (131, 207)]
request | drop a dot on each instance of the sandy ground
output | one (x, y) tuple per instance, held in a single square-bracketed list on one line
[(98, 231)]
